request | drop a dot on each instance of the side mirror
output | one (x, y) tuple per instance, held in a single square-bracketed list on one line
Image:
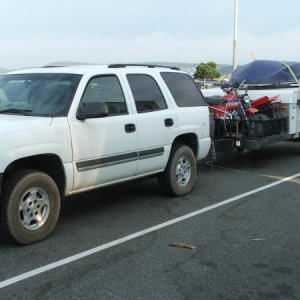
[(92, 110)]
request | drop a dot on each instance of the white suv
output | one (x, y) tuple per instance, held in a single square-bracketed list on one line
[(66, 130)]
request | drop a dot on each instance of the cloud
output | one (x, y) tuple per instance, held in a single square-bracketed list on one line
[(37, 49), (40, 50), (285, 46)]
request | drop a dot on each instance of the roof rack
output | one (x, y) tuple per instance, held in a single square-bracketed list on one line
[(141, 65), (61, 64), (52, 66)]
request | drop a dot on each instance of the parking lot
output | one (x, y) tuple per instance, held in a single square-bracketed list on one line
[(242, 218)]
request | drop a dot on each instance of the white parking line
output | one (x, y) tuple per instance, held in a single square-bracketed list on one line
[(127, 238)]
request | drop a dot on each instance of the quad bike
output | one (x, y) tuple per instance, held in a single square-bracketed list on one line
[(234, 107), (233, 104)]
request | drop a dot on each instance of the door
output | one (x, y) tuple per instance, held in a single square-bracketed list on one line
[(104, 149), (156, 123)]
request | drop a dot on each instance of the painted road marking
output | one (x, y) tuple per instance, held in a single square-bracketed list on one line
[(130, 237), (297, 181)]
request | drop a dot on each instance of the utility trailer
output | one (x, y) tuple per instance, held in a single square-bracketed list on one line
[(260, 78), (246, 134)]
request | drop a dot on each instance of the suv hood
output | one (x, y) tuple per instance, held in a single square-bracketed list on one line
[(12, 123)]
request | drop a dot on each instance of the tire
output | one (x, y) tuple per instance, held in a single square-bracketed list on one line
[(179, 177), (258, 128), (30, 206), (240, 150)]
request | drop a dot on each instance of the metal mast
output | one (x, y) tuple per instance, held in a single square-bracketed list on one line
[(234, 60)]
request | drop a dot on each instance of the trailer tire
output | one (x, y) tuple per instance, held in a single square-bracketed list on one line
[(257, 127)]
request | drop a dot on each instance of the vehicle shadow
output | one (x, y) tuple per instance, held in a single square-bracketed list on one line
[(102, 201), (4, 241), (280, 153), (106, 198)]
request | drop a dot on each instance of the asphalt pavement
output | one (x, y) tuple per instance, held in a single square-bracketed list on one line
[(244, 248)]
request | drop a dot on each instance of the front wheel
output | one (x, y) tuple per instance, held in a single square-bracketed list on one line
[(179, 177), (30, 205)]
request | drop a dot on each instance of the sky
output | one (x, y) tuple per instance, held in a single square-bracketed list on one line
[(38, 32)]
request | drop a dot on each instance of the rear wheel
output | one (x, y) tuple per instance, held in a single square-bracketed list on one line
[(257, 126), (30, 205), (179, 176)]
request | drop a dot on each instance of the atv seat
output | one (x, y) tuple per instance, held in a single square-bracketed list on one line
[(214, 100)]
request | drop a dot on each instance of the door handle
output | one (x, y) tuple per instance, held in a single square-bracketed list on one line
[(169, 122), (130, 128)]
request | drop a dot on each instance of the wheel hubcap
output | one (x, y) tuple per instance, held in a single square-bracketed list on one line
[(183, 171), (34, 208)]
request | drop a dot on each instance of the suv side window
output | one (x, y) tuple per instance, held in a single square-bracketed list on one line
[(183, 89), (146, 93), (106, 89)]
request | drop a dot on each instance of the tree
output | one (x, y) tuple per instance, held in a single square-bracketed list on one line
[(207, 71)]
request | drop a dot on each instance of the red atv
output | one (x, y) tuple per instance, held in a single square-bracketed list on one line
[(233, 105), (236, 112)]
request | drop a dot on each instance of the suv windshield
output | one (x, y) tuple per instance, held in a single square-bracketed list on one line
[(40, 94)]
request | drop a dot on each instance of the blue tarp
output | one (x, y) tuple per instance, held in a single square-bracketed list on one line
[(267, 72)]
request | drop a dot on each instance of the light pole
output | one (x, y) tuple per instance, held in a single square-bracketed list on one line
[(234, 60)]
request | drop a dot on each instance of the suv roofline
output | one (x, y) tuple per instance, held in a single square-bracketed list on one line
[(142, 65), (82, 69)]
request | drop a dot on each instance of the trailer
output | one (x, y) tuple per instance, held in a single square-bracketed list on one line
[(243, 134), (259, 79)]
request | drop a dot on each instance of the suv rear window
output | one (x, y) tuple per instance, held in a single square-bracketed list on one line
[(183, 89), (146, 93)]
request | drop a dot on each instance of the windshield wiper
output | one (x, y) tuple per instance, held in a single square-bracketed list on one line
[(24, 112)]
